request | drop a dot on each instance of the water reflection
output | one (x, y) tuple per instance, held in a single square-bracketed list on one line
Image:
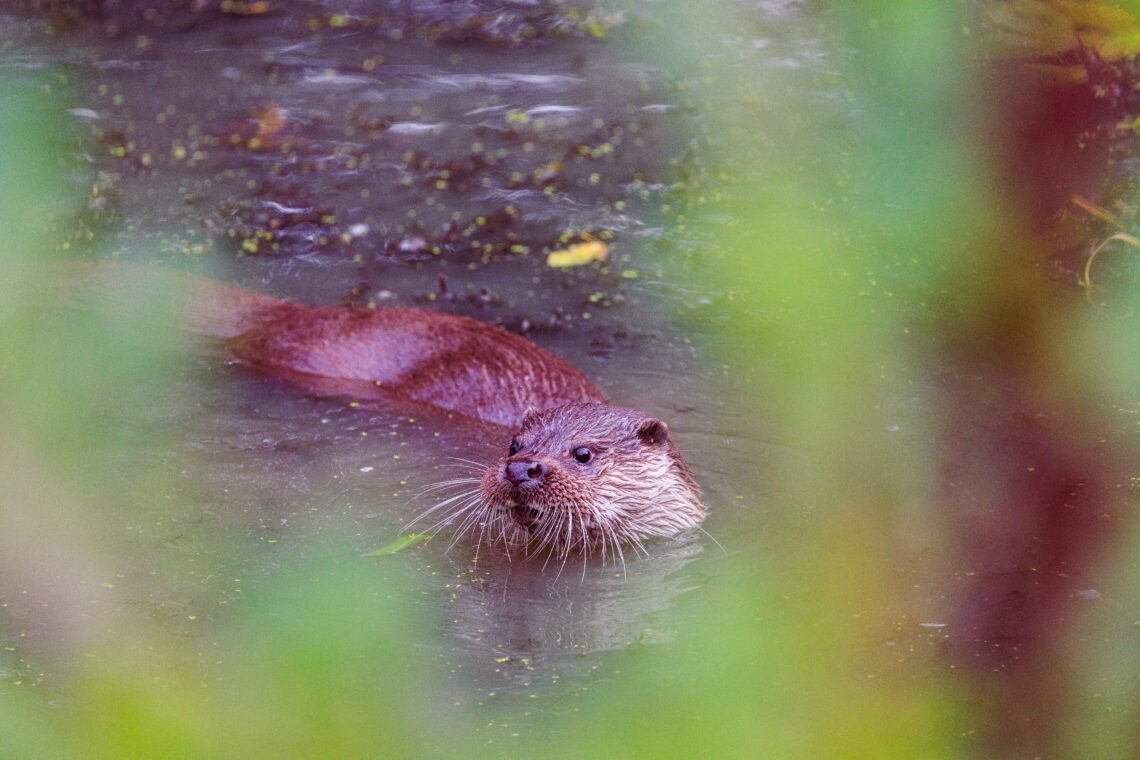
[(529, 622), (348, 157), (284, 468)]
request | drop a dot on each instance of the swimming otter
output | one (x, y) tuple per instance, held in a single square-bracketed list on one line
[(579, 474), (587, 476)]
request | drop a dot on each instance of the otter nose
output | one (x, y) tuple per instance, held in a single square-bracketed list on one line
[(523, 472)]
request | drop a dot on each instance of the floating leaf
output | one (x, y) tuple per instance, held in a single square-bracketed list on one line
[(244, 9), (577, 255), (271, 119), (597, 24), (401, 543)]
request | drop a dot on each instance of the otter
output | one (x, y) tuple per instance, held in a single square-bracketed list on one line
[(578, 474), (587, 476)]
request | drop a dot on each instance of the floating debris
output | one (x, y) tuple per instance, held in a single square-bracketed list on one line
[(401, 543), (578, 255)]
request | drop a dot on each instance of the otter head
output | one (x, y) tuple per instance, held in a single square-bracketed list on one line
[(588, 476)]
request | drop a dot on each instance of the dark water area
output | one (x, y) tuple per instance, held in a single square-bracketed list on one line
[(342, 158), (431, 154)]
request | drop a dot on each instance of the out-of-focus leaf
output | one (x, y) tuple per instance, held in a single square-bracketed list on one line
[(1026, 29), (1029, 29), (1059, 76), (401, 543), (238, 8)]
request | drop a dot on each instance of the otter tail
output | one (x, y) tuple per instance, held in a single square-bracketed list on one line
[(203, 307)]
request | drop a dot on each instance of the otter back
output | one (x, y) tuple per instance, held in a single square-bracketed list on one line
[(451, 362)]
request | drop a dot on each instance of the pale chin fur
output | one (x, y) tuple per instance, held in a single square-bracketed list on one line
[(629, 485)]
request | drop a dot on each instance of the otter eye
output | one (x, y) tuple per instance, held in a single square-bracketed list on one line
[(583, 454), (513, 448)]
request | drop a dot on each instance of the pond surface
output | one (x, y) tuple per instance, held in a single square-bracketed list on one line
[(431, 154), (344, 159)]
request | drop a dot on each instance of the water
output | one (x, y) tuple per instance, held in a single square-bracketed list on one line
[(335, 156), (353, 165)]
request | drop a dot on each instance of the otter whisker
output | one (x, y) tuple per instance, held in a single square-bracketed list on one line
[(445, 484), (562, 565), (712, 538), (603, 528), (466, 508), (472, 495), (579, 479), (603, 542), (471, 464), (454, 502), (507, 543), (609, 535), (431, 529), (447, 519), (621, 556), (639, 546), (584, 555), (546, 562), (542, 542), (475, 513), (569, 532), (482, 529), (448, 508), (548, 540), (459, 533)]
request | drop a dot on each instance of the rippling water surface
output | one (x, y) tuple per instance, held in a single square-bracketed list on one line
[(422, 155), (431, 154)]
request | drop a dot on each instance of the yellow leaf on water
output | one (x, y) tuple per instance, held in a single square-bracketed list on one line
[(271, 119), (577, 255)]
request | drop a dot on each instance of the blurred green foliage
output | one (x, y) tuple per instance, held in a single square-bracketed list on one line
[(841, 250), (309, 669), (833, 232)]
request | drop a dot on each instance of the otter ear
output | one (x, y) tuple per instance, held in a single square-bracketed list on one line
[(653, 432)]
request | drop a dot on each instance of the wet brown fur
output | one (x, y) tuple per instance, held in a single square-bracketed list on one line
[(636, 485), (451, 362)]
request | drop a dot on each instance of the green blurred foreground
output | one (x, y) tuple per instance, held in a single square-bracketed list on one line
[(856, 270)]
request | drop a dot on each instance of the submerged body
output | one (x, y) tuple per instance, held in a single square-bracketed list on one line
[(451, 362), (579, 474)]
